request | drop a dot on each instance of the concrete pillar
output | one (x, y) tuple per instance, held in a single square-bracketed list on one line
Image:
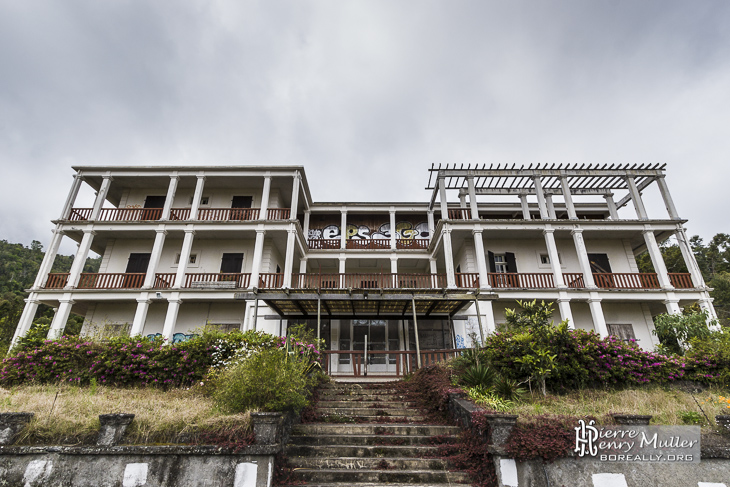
[(394, 269), (149, 279), (307, 218), (689, 258), (672, 304), (392, 228), (462, 200), (173, 308), (636, 198), (289, 258), (449, 257), (541, 203), (48, 259), (26, 318), (295, 196), (303, 265), (71, 198), (442, 199), (343, 228), (611, 204), (432, 266), (170, 198), (667, 197), (550, 206), (486, 310), (564, 308), (431, 224), (196, 198), (473, 199), (342, 269), (258, 254), (656, 258), (61, 317), (140, 316), (525, 206), (599, 321), (585, 263), (481, 259), (552, 249), (101, 197), (264, 210), (182, 266), (568, 197), (80, 259)]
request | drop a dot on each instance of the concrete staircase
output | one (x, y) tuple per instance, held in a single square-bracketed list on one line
[(370, 436)]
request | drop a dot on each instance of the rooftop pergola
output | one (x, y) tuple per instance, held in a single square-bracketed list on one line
[(584, 179)]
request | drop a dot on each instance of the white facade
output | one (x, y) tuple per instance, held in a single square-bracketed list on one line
[(177, 256)]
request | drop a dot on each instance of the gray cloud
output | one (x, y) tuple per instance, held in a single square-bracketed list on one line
[(364, 94)]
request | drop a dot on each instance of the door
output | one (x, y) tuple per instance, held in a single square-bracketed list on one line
[(232, 264), (153, 207), (379, 341), (136, 270), (601, 269), (239, 205)]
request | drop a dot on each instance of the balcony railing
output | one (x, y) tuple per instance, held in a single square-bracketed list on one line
[(460, 214), (237, 280), (164, 280), (574, 279), (681, 280), (467, 279), (369, 281), (323, 244), (179, 214), (80, 214), (110, 280), (57, 280), (278, 214), (228, 214), (271, 280), (412, 243), (532, 280), (368, 243), (626, 280)]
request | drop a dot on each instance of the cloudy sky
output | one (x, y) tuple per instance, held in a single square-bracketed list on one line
[(365, 94)]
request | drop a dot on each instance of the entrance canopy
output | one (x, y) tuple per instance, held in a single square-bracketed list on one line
[(365, 303)]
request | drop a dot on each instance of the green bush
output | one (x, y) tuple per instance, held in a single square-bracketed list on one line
[(269, 380)]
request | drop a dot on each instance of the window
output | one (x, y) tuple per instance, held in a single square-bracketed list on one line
[(500, 263), (223, 327), (193, 261), (622, 332), (544, 260), (204, 200)]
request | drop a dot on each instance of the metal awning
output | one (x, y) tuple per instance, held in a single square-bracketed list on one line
[(362, 303)]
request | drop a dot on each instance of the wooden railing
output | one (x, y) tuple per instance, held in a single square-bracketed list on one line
[(412, 243), (271, 280), (164, 280), (242, 280), (369, 281), (422, 281), (467, 279), (574, 279), (129, 214), (397, 362), (368, 243), (278, 214), (57, 280), (531, 280), (323, 244), (80, 214), (178, 214), (626, 280), (681, 280), (460, 214), (226, 214), (110, 280)]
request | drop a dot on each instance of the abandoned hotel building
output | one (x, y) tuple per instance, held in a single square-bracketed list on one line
[(247, 248)]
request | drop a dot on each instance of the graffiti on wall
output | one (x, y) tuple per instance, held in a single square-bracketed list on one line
[(403, 230)]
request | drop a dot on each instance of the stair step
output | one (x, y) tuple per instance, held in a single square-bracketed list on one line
[(377, 484), (375, 440), (349, 403), (362, 451), (365, 411), (347, 475), (374, 429), (357, 463)]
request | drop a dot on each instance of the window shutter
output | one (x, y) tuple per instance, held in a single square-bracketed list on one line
[(511, 262), (490, 258)]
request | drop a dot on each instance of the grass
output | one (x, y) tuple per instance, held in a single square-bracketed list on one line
[(69, 415), (665, 405)]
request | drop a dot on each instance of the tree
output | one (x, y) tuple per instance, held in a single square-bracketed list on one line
[(676, 330), (714, 257)]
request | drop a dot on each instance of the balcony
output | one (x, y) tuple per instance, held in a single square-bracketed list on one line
[(381, 281), (178, 214), (368, 244), (459, 214), (626, 280), (217, 280)]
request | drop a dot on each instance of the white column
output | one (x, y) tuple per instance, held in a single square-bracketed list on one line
[(392, 228), (599, 321), (140, 316), (668, 202), (689, 257), (264, 210), (442, 199), (431, 224), (656, 258), (394, 269), (585, 263), (80, 259), (552, 249), (170, 198), (196, 198), (706, 305), (173, 308), (258, 254), (101, 197), (564, 308), (71, 199), (481, 259), (48, 259), (303, 265), (486, 310), (61, 317), (182, 266), (611, 204), (149, 279), (307, 217), (525, 206), (343, 228), (26, 319), (295, 197), (550, 206), (541, 203), (448, 256), (432, 266), (289, 258), (672, 304), (473, 200), (342, 269), (462, 200), (636, 198), (568, 198)]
